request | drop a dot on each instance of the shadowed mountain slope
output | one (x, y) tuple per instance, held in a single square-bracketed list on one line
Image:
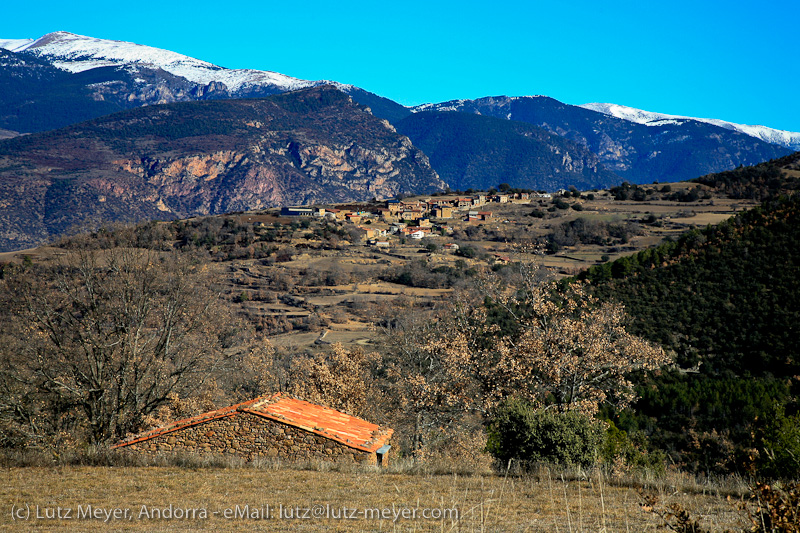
[(474, 151)]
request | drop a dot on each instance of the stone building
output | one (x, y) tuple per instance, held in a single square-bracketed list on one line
[(276, 426)]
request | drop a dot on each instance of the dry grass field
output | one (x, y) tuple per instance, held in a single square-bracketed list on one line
[(271, 499), (326, 294)]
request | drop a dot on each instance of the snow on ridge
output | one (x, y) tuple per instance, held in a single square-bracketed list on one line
[(78, 53), (631, 114), (455, 105), (450, 105), (15, 45), (76, 49), (788, 139)]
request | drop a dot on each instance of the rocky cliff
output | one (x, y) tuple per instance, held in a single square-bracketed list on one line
[(179, 160)]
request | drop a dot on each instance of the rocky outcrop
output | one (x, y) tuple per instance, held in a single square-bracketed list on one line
[(200, 158), (139, 86), (269, 174)]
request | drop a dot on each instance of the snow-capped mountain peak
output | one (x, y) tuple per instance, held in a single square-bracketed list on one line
[(15, 45), (78, 53), (788, 139)]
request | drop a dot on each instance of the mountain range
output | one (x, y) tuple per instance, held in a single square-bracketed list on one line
[(177, 160), (76, 53), (635, 152), (59, 85), (787, 139)]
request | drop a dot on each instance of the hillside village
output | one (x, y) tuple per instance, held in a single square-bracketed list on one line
[(415, 219)]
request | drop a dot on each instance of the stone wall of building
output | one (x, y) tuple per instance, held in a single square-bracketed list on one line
[(250, 436)]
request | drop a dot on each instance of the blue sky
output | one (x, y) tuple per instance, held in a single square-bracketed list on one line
[(734, 60)]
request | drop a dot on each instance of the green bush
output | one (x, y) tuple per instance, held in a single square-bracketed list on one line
[(778, 445), (560, 204), (518, 431), (467, 251), (630, 451)]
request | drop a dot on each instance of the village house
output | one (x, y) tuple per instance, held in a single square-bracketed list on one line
[(464, 202), (335, 214), (394, 206), (369, 233), (478, 216), (443, 211), (295, 211), (386, 215), (412, 214), (277, 426), (416, 232), (498, 259)]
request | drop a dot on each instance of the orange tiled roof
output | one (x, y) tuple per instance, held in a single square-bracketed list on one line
[(330, 423), (349, 430)]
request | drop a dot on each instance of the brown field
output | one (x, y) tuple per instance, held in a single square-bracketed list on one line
[(545, 502), (676, 218), (337, 291)]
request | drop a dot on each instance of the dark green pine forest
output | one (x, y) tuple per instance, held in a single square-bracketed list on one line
[(724, 300)]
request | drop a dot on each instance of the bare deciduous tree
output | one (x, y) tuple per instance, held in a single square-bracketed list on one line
[(341, 379), (564, 349), (110, 336), (428, 381), (510, 338)]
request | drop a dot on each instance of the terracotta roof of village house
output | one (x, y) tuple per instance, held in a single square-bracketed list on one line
[(343, 428)]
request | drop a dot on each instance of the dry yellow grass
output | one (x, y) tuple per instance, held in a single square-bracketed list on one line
[(484, 503)]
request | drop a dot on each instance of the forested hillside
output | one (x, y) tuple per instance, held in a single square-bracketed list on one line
[(723, 299), (475, 151), (759, 182)]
